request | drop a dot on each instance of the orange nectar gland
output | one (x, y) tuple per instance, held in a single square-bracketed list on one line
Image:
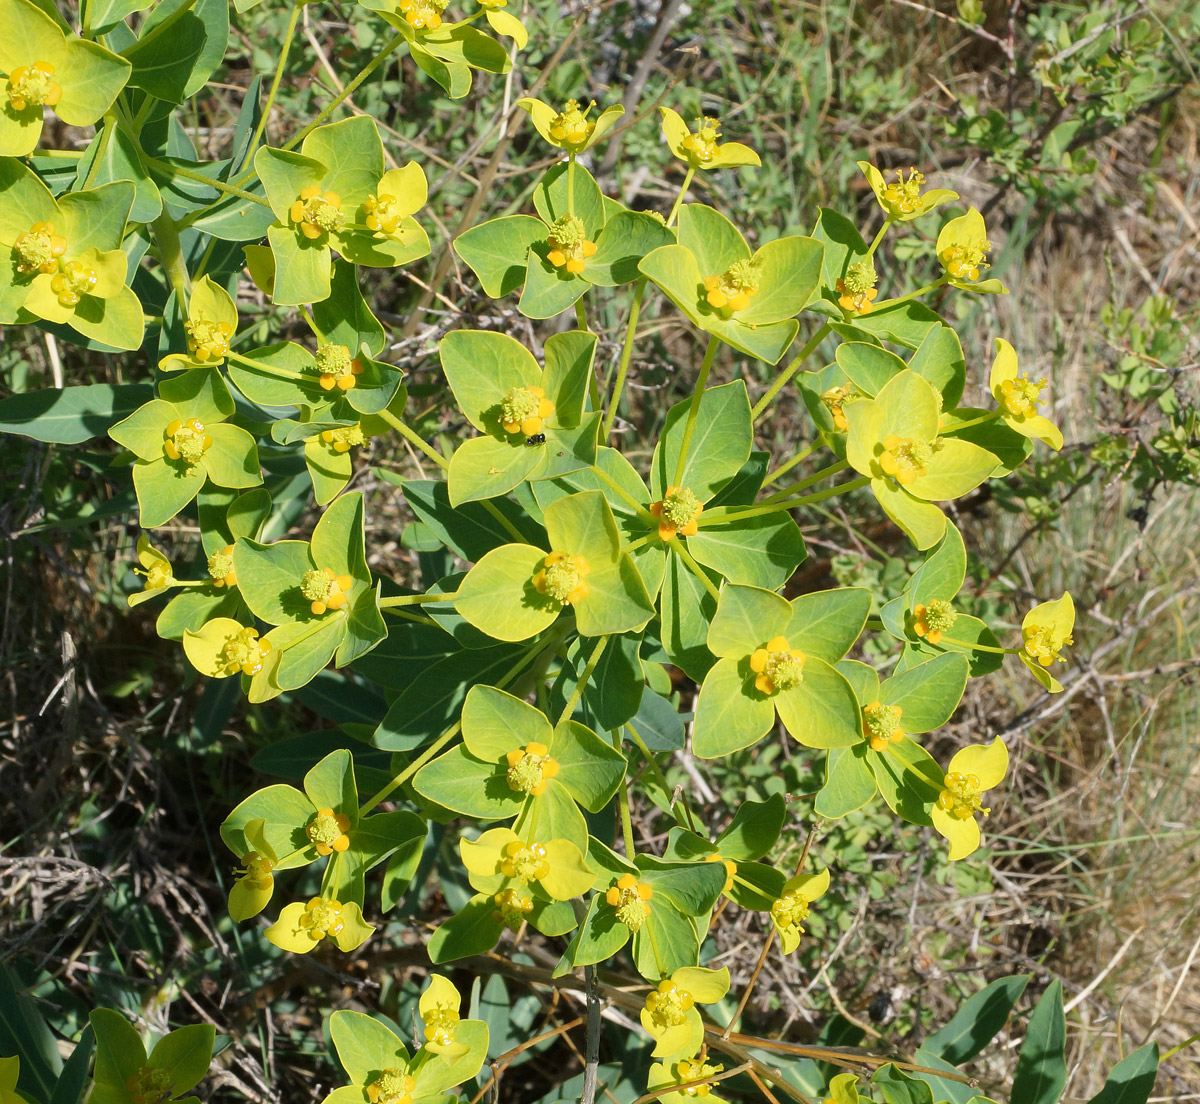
[(1044, 646), (696, 1069), (905, 459), (734, 288), (730, 870), (32, 86), (677, 513), (571, 126), (316, 212), (208, 340), (325, 590), (631, 899), (836, 398), (569, 246), (961, 798), (72, 282), (904, 195), (524, 861), (184, 439), (149, 1086), (244, 652), (512, 906), (523, 410), (220, 568), (1020, 396), (964, 260), (857, 290), (39, 249), (392, 1086), (669, 1004), (344, 438), (337, 368), (562, 578), (776, 666), (530, 768), (881, 725), (932, 619), (424, 15), (256, 871), (322, 917), (327, 832), (701, 143)]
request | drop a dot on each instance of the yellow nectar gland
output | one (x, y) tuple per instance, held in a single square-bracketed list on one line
[(835, 399), (384, 214), (964, 260), (392, 1086), (1020, 396), (790, 911), (185, 439), (327, 832), (1043, 645), (523, 410), (932, 619), (961, 798), (530, 768), (730, 870), (325, 590), (39, 249), (562, 578), (424, 15), (149, 1086), (631, 899), (207, 340), (256, 870), (441, 1023), (511, 908), (32, 86), (244, 652), (696, 1069), (316, 213), (72, 282), (524, 861), (904, 458), (158, 575), (571, 126), (669, 1004), (701, 143), (322, 917), (904, 196), (881, 725), (569, 246), (734, 288), (344, 438), (777, 666), (857, 290), (336, 367), (677, 513), (220, 568)]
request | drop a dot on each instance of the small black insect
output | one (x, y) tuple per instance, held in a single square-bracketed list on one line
[(536, 439)]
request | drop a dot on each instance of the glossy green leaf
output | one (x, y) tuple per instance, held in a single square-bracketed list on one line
[(1041, 1073)]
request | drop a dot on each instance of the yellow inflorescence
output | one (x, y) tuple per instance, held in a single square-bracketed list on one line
[(325, 590), (511, 908), (423, 15), (881, 725), (790, 911), (569, 245), (72, 282), (39, 249), (904, 195), (669, 1004), (677, 512), (208, 341), (734, 288), (220, 567), (696, 1069), (322, 917), (1020, 396), (776, 666), (185, 439), (244, 652), (344, 438), (441, 1023), (33, 86), (571, 126), (963, 261), (336, 367), (631, 899), (857, 290), (1044, 645), (530, 768), (701, 143), (932, 619), (524, 410), (904, 458), (384, 213), (327, 832), (317, 213), (834, 399), (149, 1085), (392, 1086), (961, 797), (730, 869), (524, 861), (256, 870), (561, 577)]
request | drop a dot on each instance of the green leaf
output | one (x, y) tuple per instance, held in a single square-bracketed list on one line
[(868, 367), (181, 44), (789, 272), (23, 1031), (614, 692), (1041, 1073), (719, 447), (269, 578), (73, 1079), (473, 930), (956, 468), (1131, 1080), (352, 153), (459, 781), (849, 782), (826, 624), (485, 467), (843, 246), (627, 238), (685, 611), (746, 618), (548, 290), (345, 319), (977, 1021), (940, 360), (498, 596), (927, 694), (755, 828), (163, 489), (821, 710), (590, 769), (945, 1089), (711, 238), (185, 1054), (550, 197), (112, 156), (922, 522), (481, 367), (469, 531), (301, 267), (942, 572), (906, 324), (364, 1045), (759, 551), (232, 460), (730, 713), (897, 1087), (909, 779), (569, 360), (497, 250), (72, 415), (658, 723)]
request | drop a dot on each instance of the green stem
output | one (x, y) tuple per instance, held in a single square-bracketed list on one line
[(980, 647), (639, 290), (782, 380), (415, 439), (808, 481), (265, 368), (657, 774), (683, 190), (990, 416), (170, 253), (110, 122), (284, 50), (693, 410), (416, 599), (887, 222), (592, 663), (417, 618), (642, 513), (770, 506), (831, 492), (218, 185), (1175, 1050), (912, 294), (571, 184), (783, 469), (623, 800), (581, 316), (676, 546)]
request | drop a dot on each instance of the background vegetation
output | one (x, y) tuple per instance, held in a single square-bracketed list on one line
[(1074, 128)]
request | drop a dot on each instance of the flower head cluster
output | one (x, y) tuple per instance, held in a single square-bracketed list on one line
[(244, 651), (834, 399), (790, 910), (776, 666), (324, 590), (932, 619), (220, 567), (1045, 631), (186, 439), (39, 249), (569, 244), (208, 340), (423, 15), (327, 832), (32, 86), (962, 247), (149, 1085), (973, 771), (530, 768), (524, 410), (344, 438), (316, 213), (734, 288), (857, 290), (336, 367), (562, 578), (512, 907), (906, 459), (631, 901), (72, 281), (571, 127), (678, 512), (881, 725)]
